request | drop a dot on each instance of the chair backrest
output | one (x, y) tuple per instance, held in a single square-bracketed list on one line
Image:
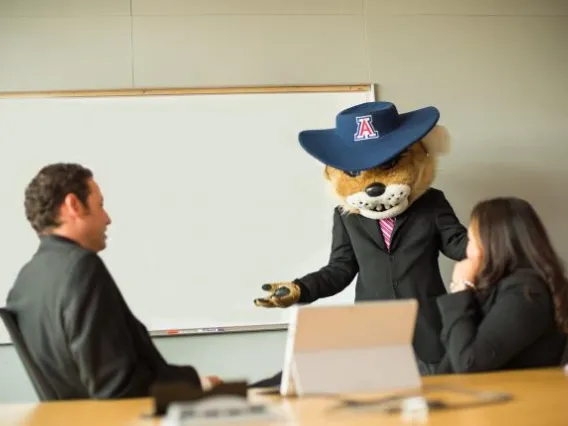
[(43, 389), (564, 360)]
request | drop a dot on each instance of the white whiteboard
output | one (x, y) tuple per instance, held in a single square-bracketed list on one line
[(210, 195)]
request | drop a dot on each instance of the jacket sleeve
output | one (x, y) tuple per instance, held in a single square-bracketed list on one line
[(453, 235), (512, 323), (341, 269), (101, 338)]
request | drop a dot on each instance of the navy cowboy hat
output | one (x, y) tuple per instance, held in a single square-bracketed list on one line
[(368, 135)]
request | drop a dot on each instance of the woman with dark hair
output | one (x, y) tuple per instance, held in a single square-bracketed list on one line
[(508, 301)]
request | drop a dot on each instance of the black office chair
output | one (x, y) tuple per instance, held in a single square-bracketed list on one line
[(40, 383)]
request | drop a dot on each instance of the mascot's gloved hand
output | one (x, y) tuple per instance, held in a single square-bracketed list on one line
[(281, 295)]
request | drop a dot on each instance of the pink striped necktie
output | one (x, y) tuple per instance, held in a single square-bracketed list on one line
[(387, 226)]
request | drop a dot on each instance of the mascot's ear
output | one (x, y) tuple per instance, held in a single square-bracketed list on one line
[(326, 173), (438, 141)]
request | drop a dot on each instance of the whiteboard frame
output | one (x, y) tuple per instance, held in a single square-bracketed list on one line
[(183, 91), (180, 91)]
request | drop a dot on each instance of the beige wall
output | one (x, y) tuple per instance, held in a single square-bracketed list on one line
[(424, 48), (496, 69)]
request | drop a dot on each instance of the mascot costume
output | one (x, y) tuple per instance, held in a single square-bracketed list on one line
[(390, 224)]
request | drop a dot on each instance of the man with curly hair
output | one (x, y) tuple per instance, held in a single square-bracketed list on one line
[(77, 326)]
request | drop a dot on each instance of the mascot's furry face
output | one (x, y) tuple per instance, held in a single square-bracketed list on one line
[(389, 189)]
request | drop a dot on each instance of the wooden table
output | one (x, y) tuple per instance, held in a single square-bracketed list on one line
[(540, 397)]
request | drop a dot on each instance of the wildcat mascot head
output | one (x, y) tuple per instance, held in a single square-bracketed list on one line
[(377, 160)]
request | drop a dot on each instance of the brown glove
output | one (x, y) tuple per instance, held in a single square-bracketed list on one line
[(281, 295)]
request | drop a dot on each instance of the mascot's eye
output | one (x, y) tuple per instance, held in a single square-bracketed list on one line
[(391, 163), (353, 173)]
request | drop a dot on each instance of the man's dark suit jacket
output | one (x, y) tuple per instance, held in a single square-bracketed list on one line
[(511, 326), (409, 270), (79, 329)]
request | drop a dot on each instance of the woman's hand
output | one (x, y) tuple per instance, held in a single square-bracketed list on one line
[(464, 275)]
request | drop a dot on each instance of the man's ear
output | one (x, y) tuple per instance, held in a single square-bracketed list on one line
[(438, 141), (73, 206)]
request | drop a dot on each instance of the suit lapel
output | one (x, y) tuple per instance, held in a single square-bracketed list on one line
[(402, 218), (396, 233), (373, 229)]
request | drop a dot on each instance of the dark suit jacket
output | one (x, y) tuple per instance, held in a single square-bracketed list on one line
[(509, 327), (409, 270), (79, 329)]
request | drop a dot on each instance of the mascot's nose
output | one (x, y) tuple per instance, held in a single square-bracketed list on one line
[(375, 189)]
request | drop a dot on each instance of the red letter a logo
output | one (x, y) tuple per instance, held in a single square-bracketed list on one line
[(365, 129)]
